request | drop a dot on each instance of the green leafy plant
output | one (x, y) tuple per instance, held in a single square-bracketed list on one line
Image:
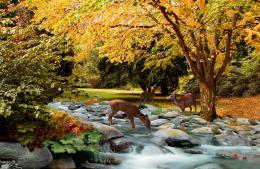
[(85, 141)]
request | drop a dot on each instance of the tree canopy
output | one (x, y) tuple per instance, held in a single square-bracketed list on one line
[(204, 31)]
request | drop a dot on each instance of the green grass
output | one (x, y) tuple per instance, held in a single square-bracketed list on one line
[(110, 94)]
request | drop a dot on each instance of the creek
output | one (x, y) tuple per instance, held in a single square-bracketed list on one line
[(153, 155)]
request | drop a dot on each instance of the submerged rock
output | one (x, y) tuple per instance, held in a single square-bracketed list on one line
[(193, 151), (62, 163), (105, 158), (209, 166), (30, 160), (175, 142), (87, 165), (121, 145)]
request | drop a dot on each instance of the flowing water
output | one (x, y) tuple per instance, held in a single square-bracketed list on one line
[(155, 156)]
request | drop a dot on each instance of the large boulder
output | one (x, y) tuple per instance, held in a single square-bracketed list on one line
[(108, 132), (176, 138), (38, 158)]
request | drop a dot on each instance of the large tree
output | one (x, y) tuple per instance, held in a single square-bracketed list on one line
[(206, 32)]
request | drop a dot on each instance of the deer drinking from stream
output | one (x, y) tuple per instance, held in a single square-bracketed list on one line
[(187, 100), (131, 112)]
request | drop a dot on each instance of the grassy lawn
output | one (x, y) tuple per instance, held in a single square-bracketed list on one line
[(247, 107)]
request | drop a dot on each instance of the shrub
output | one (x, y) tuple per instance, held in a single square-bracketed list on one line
[(32, 63)]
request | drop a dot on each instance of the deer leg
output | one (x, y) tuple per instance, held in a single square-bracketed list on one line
[(195, 107), (110, 116), (132, 121), (190, 108), (110, 119)]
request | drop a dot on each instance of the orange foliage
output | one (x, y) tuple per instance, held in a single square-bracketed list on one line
[(247, 107)]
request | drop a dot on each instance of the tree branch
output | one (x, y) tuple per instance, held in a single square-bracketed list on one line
[(227, 51)]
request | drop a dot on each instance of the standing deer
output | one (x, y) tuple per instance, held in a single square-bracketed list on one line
[(147, 96), (131, 111), (187, 100)]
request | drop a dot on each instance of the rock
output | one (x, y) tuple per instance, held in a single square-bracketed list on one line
[(209, 166), (74, 106), (171, 114), (202, 130), (221, 124), (242, 121), (88, 165), (176, 142), (63, 163), (254, 122), (120, 115), (215, 129), (256, 128), (166, 133), (255, 136), (107, 131), (9, 165), (104, 103), (80, 116), (121, 145), (150, 109), (190, 125), (105, 158), (247, 133), (181, 119), (30, 160), (229, 140), (199, 120), (159, 122), (167, 125), (255, 142), (175, 138), (193, 151)]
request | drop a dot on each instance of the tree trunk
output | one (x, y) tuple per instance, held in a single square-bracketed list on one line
[(143, 87), (164, 89), (207, 101)]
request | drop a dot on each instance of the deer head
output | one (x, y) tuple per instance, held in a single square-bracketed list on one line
[(172, 96)]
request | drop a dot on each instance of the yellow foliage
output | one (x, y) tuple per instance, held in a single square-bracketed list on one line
[(201, 4)]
